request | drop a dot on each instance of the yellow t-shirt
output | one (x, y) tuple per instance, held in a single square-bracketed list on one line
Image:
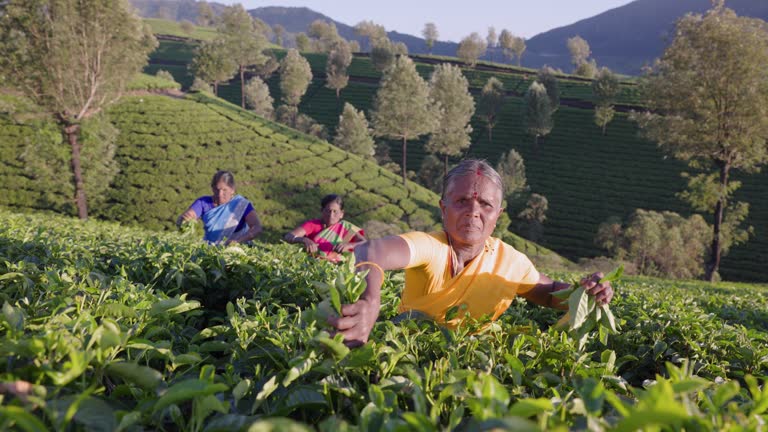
[(486, 285)]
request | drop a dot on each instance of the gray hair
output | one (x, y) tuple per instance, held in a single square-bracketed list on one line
[(472, 167), (225, 176)]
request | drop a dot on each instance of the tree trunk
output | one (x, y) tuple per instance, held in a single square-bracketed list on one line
[(445, 166), (490, 133), (404, 148), (605, 126), (215, 88), (242, 86), (715, 251), (72, 131)]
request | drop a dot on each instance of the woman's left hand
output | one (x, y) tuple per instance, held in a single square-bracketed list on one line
[(341, 247), (603, 292)]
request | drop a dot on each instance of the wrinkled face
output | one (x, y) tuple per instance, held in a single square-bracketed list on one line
[(332, 213), (222, 193), (471, 206)]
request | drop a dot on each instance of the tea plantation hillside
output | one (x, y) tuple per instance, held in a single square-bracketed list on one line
[(587, 177), (168, 148), (107, 327)]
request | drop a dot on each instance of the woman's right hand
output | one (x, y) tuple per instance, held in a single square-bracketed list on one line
[(309, 245)]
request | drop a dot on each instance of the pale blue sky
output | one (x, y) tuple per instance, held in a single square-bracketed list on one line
[(454, 19)]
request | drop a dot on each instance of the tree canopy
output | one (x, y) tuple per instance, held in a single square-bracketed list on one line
[(471, 48), (353, 133), (73, 58), (450, 90), (491, 100), (403, 108), (707, 100)]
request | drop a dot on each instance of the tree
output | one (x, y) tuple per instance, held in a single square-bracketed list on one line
[(450, 91), (205, 15), (354, 46), (402, 108), (707, 101), (187, 27), (430, 35), (212, 63), (244, 44), (339, 59), (302, 42), (511, 169), (324, 34), (73, 58), (295, 76), (382, 55), (518, 47), (531, 225), (279, 31), (258, 98), (491, 100), (605, 87), (265, 70), (471, 48), (538, 112), (262, 28), (658, 243), (164, 74), (492, 40), (431, 173), (512, 46), (579, 49), (506, 40), (587, 69), (372, 31), (198, 84), (353, 134), (546, 77)]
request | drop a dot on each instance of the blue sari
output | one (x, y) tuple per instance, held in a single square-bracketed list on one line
[(221, 221)]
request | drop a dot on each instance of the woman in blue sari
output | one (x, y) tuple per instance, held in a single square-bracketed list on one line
[(227, 217)]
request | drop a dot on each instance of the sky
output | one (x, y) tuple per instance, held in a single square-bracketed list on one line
[(454, 19)]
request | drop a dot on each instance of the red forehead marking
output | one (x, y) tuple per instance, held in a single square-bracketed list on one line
[(478, 172), (475, 195)]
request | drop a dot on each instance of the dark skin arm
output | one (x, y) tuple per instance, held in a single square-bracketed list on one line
[(254, 228), (356, 323), (392, 253)]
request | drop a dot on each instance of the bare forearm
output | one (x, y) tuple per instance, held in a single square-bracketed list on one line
[(541, 294)]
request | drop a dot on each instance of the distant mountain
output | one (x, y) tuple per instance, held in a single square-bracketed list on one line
[(297, 20), (624, 38), (176, 10), (627, 37)]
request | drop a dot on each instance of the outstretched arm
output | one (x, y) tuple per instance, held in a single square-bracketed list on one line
[(298, 235), (188, 215), (357, 320)]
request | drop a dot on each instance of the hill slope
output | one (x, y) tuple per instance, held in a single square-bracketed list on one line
[(586, 176), (168, 148)]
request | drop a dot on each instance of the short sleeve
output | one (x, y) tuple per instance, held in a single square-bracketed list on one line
[(422, 248), (200, 206), (527, 274), (312, 227), (248, 210)]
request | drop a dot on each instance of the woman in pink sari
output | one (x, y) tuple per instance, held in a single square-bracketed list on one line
[(330, 235)]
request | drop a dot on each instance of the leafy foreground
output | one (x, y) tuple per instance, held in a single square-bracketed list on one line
[(110, 328)]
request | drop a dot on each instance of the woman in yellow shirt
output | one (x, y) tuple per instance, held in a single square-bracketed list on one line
[(461, 266)]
